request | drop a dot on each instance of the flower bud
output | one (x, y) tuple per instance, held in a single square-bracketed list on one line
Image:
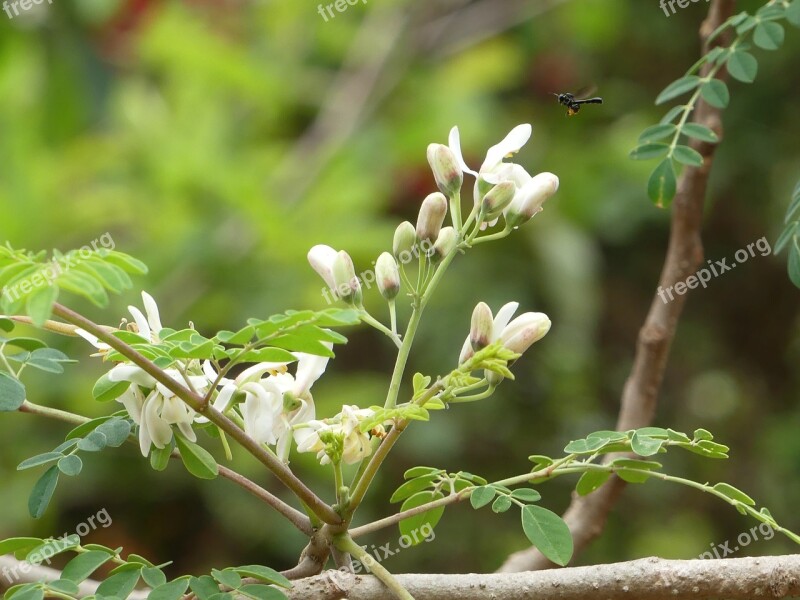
[(529, 199), (445, 243), (523, 331), (431, 216), (497, 199), (404, 239), (481, 327), (446, 169), (321, 258), (388, 276), (344, 278)]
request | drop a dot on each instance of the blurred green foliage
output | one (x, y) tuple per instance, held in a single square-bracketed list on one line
[(218, 141)]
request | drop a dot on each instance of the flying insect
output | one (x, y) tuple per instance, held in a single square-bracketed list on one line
[(573, 105)]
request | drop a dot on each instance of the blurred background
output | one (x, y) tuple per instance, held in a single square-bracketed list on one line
[(219, 140)]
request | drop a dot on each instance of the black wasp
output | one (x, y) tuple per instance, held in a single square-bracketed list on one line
[(573, 105)]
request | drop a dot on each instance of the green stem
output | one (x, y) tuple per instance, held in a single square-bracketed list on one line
[(373, 322), (346, 544), (455, 209), (474, 398), (196, 402)]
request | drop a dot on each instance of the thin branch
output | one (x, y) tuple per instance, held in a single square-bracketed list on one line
[(587, 515), (645, 579), (196, 402)]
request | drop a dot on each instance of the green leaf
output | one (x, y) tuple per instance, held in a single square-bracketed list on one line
[(650, 150), (268, 355), (688, 156), (86, 428), (42, 492), (12, 393), (794, 263), (703, 434), (769, 35), (501, 504), (174, 590), (793, 13), (48, 359), (262, 592), (29, 344), (116, 431), (672, 113), (788, 234), (715, 92), (83, 565), (105, 389), (633, 470), (64, 586), (126, 263), (415, 472), (197, 460), (25, 593), (120, 585), (6, 325), (19, 544), (733, 493), (228, 577), (700, 132), (153, 576), (40, 303), (430, 518), (411, 487), (39, 459), (657, 132), (159, 457), (644, 445), (526, 495), (53, 547), (481, 496), (743, 66), (264, 574), (204, 587), (662, 185), (70, 465), (590, 481), (94, 442), (678, 88), (548, 532)]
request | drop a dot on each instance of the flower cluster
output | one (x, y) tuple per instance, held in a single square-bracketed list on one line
[(269, 400)]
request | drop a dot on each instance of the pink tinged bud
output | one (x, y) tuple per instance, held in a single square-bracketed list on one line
[(388, 276), (481, 328), (529, 198), (405, 236), (445, 243), (466, 352), (346, 283), (524, 331), (446, 169), (431, 217), (497, 199)]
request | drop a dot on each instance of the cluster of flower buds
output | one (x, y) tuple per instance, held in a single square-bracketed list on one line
[(516, 335)]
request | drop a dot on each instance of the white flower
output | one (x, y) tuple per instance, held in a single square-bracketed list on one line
[(346, 426), (150, 326), (517, 335), (155, 415), (530, 193)]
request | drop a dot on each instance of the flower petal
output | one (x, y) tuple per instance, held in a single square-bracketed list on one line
[(511, 144), (151, 309), (454, 142), (321, 258), (503, 317)]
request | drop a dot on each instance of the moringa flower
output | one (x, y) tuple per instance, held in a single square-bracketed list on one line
[(517, 335), (339, 438)]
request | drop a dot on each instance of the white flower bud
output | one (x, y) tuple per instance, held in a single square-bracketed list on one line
[(523, 331), (497, 199), (431, 217), (344, 278), (446, 169), (388, 276), (529, 199), (321, 258), (405, 236), (445, 243), (482, 327)]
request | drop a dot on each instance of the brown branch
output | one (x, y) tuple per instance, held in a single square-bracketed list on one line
[(587, 515), (646, 579)]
